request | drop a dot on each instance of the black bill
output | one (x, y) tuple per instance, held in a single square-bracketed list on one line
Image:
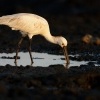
[(66, 55)]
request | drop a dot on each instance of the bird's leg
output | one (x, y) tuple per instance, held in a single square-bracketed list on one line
[(18, 47), (30, 41)]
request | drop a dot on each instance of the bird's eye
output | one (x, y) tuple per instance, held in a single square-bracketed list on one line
[(62, 44)]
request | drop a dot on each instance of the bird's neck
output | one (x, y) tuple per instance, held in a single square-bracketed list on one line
[(50, 38)]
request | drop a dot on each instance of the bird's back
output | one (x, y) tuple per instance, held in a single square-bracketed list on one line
[(29, 23)]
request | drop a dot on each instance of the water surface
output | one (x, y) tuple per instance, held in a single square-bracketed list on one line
[(40, 59)]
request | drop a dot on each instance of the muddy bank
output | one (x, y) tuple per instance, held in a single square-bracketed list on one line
[(53, 82)]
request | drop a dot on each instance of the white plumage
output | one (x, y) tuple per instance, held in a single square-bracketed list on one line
[(30, 25)]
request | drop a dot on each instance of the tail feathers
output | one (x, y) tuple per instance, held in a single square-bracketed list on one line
[(4, 20)]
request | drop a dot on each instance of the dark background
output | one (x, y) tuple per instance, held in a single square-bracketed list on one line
[(64, 16), (70, 18), (59, 7)]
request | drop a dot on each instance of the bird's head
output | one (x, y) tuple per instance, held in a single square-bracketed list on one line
[(63, 43)]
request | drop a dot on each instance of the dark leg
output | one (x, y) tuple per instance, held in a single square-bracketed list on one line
[(18, 47), (30, 41)]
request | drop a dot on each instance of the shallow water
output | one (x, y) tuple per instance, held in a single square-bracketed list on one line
[(40, 59)]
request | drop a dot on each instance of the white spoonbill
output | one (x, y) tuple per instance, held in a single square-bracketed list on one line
[(30, 25)]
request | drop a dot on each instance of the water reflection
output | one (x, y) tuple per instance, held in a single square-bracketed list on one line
[(40, 59)]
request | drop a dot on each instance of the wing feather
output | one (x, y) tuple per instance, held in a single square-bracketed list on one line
[(25, 22)]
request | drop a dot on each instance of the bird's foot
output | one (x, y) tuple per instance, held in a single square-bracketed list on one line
[(32, 63), (15, 63)]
